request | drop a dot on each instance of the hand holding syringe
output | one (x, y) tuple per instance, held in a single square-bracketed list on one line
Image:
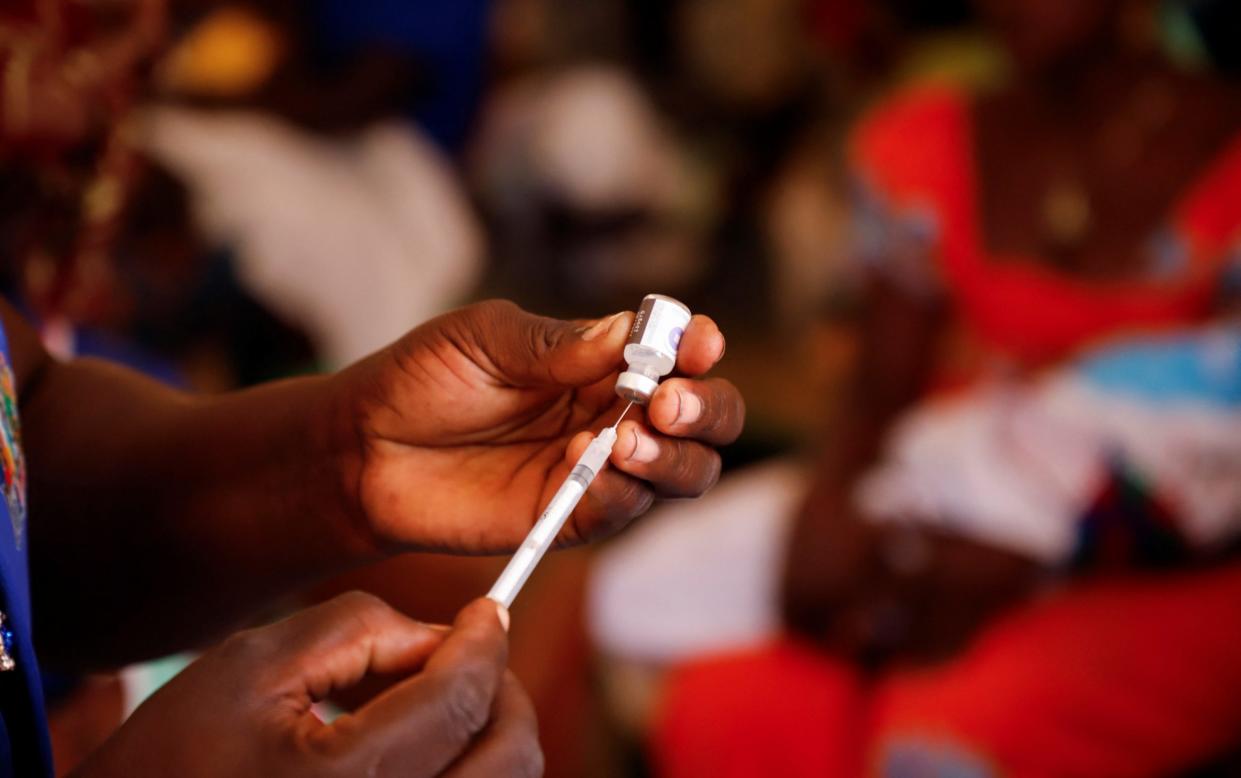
[(650, 353)]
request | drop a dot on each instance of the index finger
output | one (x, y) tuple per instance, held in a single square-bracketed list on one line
[(333, 645), (701, 347), (429, 720)]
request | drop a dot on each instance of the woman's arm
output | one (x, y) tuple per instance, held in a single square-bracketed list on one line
[(830, 547), (158, 518), (871, 592)]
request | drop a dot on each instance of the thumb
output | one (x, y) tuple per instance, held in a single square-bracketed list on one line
[(430, 719), (531, 350)]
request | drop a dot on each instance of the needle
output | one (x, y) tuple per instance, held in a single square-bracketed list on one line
[(621, 418)]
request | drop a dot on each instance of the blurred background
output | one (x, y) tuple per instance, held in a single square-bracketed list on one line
[(976, 261)]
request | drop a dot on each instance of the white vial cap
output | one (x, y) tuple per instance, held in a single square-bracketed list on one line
[(636, 387)]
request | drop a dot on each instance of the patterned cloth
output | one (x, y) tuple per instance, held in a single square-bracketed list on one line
[(1056, 396), (24, 746), (1034, 466)]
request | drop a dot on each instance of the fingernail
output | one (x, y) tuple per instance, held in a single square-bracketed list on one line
[(600, 327), (689, 407), (645, 449), (502, 615)]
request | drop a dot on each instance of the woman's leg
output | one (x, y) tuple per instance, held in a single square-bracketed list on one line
[(784, 710), (1133, 677)]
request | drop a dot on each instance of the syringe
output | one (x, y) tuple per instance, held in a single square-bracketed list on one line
[(555, 515)]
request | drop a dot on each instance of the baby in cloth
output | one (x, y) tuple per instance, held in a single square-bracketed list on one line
[(1132, 454), (1129, 456)]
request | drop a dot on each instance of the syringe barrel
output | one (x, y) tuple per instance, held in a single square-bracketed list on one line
[(541, 536), (553, 518)]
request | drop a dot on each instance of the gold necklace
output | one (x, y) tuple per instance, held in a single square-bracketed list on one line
[(1066, 212)]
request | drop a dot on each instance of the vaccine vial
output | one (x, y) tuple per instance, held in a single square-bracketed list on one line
[(651, 351)]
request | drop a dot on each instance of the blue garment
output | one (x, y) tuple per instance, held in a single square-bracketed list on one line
[(1200, 368), (448, 36), (25, 749)]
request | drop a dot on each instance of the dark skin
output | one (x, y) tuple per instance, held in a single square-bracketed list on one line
[(874, 594), (457, 712), (449, 440), (1086, 108), (840, 586)]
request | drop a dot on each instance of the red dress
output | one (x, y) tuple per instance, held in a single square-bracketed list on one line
[(1134, 676)]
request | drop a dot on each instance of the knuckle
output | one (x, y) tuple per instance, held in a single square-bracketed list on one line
[(542, 339), (624, 499), (529, 761), (487, 317), (360, 613), (527, 754), (632, 499), (245, 660), (724, 411), (709, 473), (494, 308), (324, 751), (248, 648), (695, 469), (518, 756), (360, 603), (736, 407), (715, 411), (467, 701), (684, 468)]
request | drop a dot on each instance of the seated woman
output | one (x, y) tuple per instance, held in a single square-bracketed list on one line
[(966, 601)]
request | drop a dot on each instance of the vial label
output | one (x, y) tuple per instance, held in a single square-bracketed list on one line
[(659, 324)]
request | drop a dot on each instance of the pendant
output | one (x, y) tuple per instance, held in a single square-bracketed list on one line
[(7, 662), (1067, 217)]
